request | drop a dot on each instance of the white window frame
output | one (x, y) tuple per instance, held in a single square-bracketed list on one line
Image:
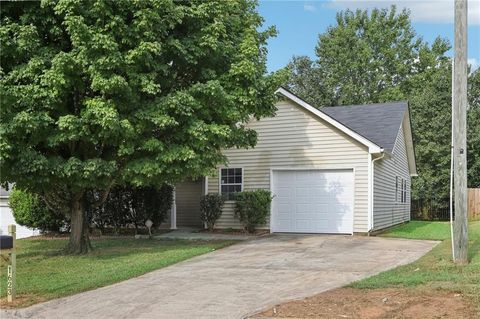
[(401, 191), (396, 188), (220, 180)]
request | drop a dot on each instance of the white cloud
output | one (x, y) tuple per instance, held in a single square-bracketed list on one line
[(474, 63), (309, 7), (436, 11)]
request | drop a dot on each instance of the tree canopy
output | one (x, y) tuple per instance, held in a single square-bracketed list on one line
[(372, 57), (99, 93), (473, 129)]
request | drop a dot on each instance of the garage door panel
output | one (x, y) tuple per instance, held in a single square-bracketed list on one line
[(321, 226), (301, 208), (318, 201), (304, 215), (300, 177), (284, 208), (320, 208), (284, 192), (303, 225), (301, 192), (340, 208), (284, 223)]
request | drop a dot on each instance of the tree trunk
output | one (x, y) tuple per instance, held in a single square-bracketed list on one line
[(79, 242)]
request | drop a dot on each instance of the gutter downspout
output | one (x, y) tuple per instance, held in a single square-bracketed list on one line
[(372, 176)]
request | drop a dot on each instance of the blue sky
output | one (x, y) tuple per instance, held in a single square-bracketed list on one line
[(299, 23)]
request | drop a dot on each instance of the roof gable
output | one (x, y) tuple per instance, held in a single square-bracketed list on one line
[(372, 147), (374, 125)]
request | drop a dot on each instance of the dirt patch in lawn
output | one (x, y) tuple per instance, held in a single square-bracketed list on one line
[(376, 304), (22, 300)]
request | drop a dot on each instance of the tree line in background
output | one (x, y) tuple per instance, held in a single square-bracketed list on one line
[(377, 57)]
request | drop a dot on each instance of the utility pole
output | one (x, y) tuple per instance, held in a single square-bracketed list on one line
[(460, 133)]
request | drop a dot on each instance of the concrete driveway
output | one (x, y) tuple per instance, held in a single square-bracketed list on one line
[(239, 280)]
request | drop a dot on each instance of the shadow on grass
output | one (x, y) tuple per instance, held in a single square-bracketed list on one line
[(106, 249), (152, 247)]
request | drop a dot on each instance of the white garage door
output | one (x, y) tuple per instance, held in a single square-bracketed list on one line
[(313, 201)]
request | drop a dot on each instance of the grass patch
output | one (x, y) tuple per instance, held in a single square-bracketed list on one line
[(436, 269), (420, 230), (43, 274)]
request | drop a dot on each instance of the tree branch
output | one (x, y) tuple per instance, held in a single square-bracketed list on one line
[(103, 196)]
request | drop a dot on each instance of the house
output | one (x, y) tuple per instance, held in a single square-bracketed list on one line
[(341, 169), (6, 218)]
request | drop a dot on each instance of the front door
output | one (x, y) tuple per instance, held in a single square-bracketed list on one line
[(187, 197)]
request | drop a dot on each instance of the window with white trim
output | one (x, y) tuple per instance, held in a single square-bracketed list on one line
[(231, 182), (403, 184), (400, 190), (396, 188)]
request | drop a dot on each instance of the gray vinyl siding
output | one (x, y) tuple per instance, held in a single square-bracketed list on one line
[(295, 138), (387, 210)]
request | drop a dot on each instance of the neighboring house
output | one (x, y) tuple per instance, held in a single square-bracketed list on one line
[(6, 218), (335, 170)]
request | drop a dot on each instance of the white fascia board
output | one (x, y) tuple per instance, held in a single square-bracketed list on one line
[(372, 147), (370, 193), (407, 131)]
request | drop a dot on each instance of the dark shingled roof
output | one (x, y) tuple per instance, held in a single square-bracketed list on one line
[(378, 123)]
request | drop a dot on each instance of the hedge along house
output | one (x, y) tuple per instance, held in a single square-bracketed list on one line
[(339, 169)]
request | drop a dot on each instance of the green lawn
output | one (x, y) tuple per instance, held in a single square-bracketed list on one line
[(421, 230), (435, 270), (43, 274)]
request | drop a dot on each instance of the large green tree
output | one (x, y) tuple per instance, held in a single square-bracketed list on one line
[(371, 57), (365, 57), (473, 130), (430, 104), (100, 93)]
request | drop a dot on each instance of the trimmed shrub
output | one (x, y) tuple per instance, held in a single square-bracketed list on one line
[(252, 208), (131, 206), (113, 213), (211, 209), (29, 210), (150, 203)]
